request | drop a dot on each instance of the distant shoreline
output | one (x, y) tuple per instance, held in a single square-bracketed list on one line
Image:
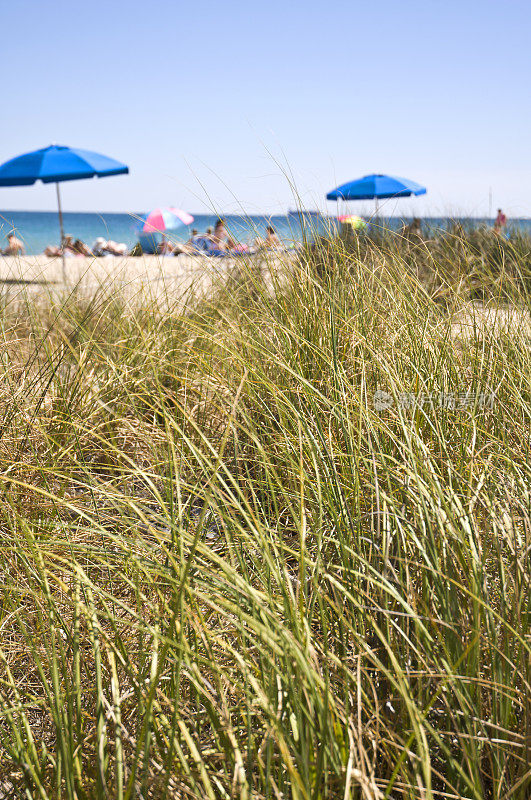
[(38, 229)]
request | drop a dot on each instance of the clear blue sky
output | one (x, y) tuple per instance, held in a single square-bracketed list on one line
[(209, 103)]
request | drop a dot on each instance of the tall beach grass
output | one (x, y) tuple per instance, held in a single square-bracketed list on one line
[(273, 542)]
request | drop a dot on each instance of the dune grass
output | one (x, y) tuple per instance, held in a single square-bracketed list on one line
[(227, 573)]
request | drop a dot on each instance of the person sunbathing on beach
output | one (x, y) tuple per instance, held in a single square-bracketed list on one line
[(271, 241), (110, 248), (68, 248), (165, 247), (80, 248), (98, 248), (195, 239), (221, 238), (14, 246), (116, 248), (68, 245), (52, 251)]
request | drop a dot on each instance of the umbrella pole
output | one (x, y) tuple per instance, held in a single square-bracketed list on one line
[(60, 210)]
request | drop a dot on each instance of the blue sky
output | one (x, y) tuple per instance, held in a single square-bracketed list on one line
[(225, 105)]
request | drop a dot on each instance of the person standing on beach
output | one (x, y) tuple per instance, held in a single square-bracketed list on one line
[(501, 222), (414, 229)]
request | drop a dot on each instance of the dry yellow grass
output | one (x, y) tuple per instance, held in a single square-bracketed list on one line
[(225, 572)]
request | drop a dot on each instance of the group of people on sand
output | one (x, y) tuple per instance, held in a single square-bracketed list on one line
[(218, 240), (76, 247), (215, 240), (414, 228)]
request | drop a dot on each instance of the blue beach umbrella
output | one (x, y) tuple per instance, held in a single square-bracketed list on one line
[(376, 187), (56, 164)]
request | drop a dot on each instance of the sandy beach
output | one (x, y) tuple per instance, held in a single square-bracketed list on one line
[(157, 276)]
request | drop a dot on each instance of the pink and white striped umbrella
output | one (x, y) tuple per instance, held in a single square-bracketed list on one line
[(166, 219)]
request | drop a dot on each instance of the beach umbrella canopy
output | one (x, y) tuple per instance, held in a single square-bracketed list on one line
[(166, 219), (56, 164), (375, 187)]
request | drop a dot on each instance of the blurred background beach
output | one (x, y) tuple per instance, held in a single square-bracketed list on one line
[(37, 229)]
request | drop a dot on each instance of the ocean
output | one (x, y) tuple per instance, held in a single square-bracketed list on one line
[(40, 228)]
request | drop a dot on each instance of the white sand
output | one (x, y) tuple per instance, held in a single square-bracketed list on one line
[(158, 277), (476, 319)]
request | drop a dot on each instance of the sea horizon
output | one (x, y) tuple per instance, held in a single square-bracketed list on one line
[(259, 214)]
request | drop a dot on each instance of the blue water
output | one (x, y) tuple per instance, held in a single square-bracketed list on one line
[(40, 228)]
